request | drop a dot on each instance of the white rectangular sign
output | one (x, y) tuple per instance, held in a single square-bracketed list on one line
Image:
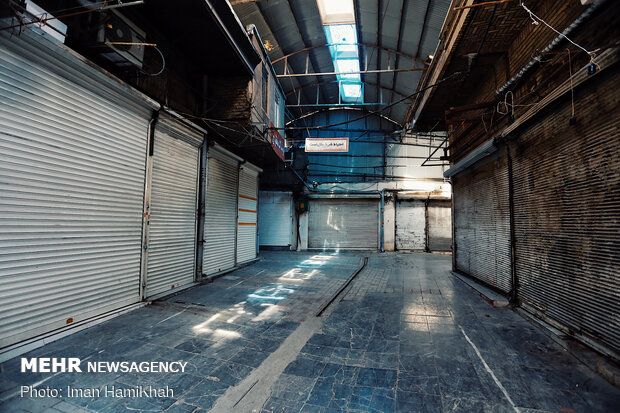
[(327, 144)]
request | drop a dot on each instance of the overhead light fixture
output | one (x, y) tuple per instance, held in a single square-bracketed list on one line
[(268, 45)]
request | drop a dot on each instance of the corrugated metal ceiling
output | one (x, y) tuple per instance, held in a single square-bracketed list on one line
[(409, 27)]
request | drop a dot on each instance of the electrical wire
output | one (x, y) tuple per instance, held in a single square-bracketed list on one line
[(537, 20), (163, 64)]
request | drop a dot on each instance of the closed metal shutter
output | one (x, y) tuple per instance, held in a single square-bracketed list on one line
[(482, 222), (247, 214), (172, 229), (439, 217), (72, 168), (567, 219), (275, 218), (221, 212), (343, 223), (410, 225)]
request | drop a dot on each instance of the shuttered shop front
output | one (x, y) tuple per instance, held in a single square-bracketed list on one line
[(221, 212), (247, 214), (171, 253), (410, 225), (275, 218), (567, 218), (343, 223), (72, 169), (482, 222), (439, 217)]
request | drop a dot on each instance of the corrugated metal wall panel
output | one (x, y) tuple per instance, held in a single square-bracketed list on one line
[(172, 229), (247, 215), (410, 225), (72, 169), (343, 223), (275, 218), (567, 218), (221, 213), (482, 222)]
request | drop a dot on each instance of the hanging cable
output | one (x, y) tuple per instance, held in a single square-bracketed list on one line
[(537, 20)]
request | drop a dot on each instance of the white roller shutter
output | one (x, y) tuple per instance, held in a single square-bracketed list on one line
[(172, 230), (247, 214), (343, 223), (72, 167), (410, 225), (439, 217), (221, 213), (275, 218)]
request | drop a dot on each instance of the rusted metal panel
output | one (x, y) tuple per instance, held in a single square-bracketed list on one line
[(482, 222), (567, 215)]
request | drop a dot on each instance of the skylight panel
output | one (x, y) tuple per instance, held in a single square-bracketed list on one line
[(348, 68), (351, 91), (336, 11)]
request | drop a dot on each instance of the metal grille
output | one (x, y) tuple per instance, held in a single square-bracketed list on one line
[(343, 223), (275, 218), (72, 168), (482, 222), (172, 229), (221, 213), (247, 215)]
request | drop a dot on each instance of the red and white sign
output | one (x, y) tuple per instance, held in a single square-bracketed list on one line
[(327, 145), (277, 142)]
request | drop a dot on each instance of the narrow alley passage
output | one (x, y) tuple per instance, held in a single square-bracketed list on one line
[(404, 336)]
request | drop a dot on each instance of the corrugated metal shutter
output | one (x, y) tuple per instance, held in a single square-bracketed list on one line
[(410, 225), (247, 215), (343, 223), (72, 168), (567, 219), (172, 229), (275, 218), (482, 222), (221, 213), (439, 225)]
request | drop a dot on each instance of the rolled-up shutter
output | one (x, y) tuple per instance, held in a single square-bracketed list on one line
[(439, 216), (343, 223), (567, 219), (247, 214), (72, 168), (482, 222), (221, 212), (172, 230), (275, 218), (410, 225)]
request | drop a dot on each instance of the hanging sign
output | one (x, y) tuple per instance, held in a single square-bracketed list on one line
[(277, 142), (327, 144)]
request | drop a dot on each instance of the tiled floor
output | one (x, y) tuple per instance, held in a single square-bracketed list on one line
[(405, 337)]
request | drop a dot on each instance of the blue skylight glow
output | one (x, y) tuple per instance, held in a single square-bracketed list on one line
[(345, 55)]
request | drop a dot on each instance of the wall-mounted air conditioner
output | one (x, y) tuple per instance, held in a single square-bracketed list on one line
[(123, 39)]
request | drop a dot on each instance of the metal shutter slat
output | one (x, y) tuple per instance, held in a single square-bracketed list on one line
[(171, 255), (72, 167), (343, 223), (221, 213)]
